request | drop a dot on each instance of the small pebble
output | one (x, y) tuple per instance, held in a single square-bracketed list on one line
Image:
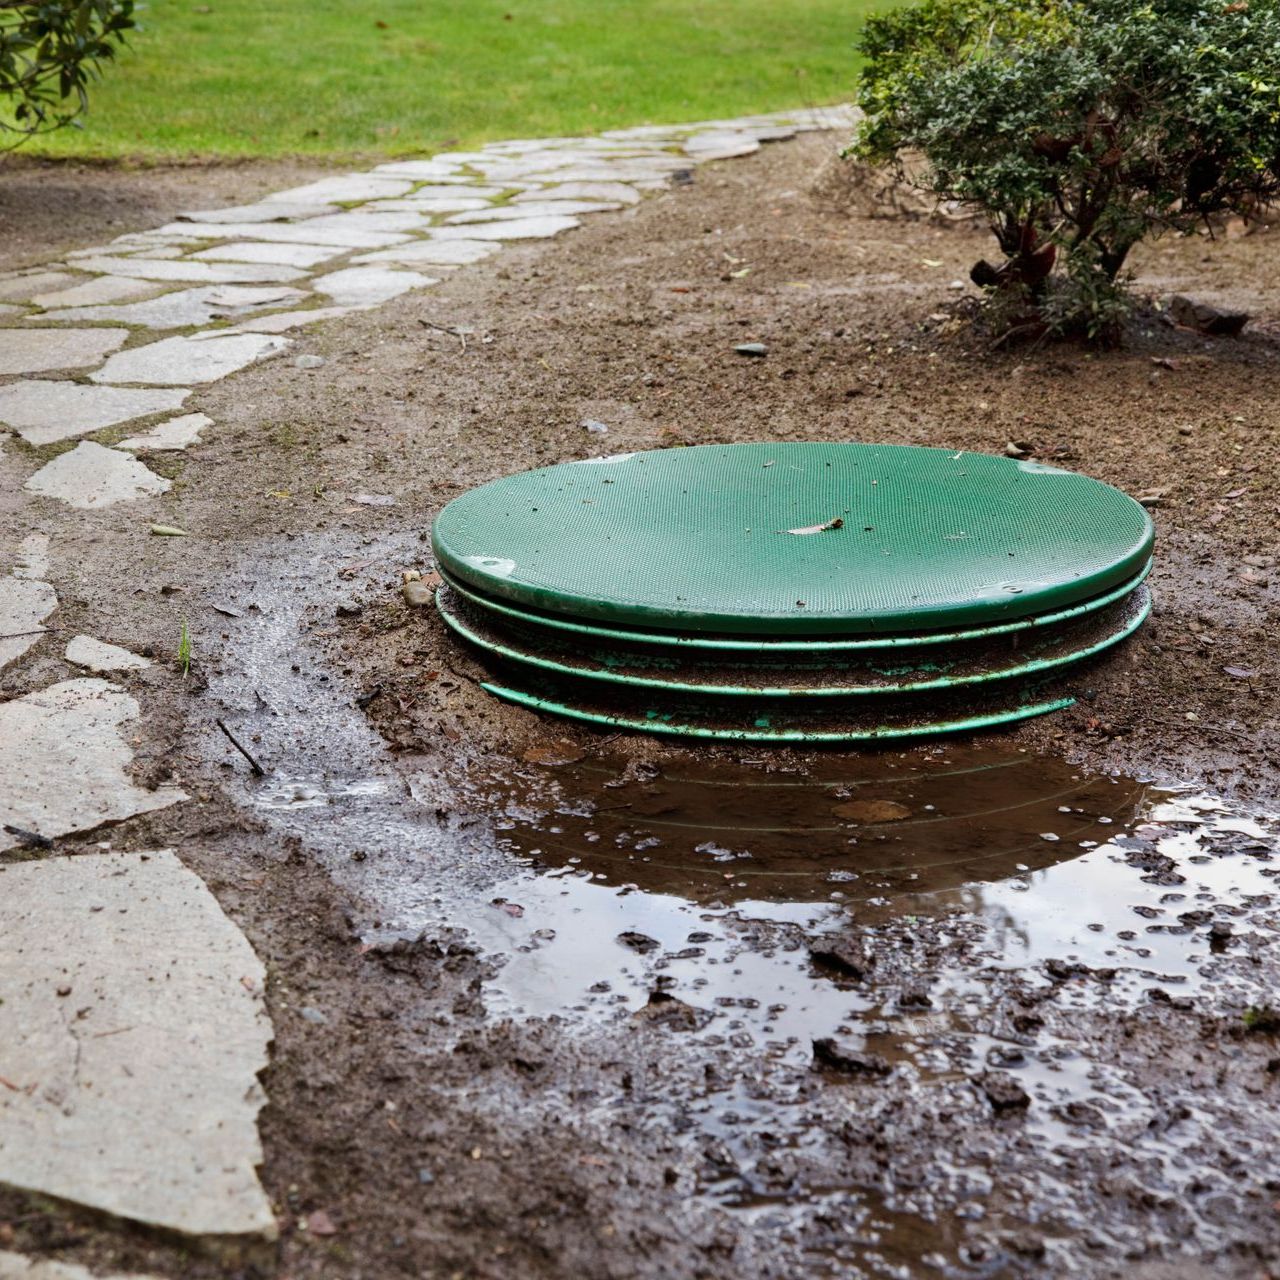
[(309, 362), (418, 594), (751, 349), (596, 428)]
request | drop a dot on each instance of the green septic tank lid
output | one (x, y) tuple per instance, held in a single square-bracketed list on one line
[(770, 539)]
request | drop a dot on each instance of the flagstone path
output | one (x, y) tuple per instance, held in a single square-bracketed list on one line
[(132, 1028)]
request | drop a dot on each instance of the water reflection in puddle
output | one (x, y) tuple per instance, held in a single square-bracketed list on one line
[(694, 898)]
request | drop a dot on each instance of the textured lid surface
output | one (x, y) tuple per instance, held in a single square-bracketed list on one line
[(772, 539)]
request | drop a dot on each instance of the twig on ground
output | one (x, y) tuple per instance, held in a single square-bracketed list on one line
[(460, 334), (241, 748)]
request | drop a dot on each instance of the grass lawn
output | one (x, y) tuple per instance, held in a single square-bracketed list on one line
[(336, 77)]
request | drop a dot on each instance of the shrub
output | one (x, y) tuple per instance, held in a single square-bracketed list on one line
[(49, 51), (1079, 128)]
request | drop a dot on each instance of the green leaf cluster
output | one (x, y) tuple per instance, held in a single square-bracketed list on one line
[(49, 51), (1085, 126)]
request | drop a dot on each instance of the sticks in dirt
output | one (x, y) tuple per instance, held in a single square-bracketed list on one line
[(242, 749)]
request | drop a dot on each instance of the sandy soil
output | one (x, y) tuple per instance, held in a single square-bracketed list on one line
[(997, 1099)]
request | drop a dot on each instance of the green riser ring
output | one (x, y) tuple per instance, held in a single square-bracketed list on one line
[(565, 671), (823, 645), (886, 733)]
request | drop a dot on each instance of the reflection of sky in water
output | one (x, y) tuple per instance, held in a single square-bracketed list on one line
[(596, 874)]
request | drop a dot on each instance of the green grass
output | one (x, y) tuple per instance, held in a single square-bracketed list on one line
[(184, 649), (240, 78)]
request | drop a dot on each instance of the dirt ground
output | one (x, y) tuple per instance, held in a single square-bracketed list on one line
[(482, 1067)]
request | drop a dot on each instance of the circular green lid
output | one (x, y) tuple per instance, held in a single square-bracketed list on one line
[(769, 539)]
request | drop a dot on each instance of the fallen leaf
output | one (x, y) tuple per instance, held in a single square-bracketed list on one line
[(1241, 673), (837, 523), (1152, 497), (930, 262), (373, 499), (168, 531), (871, 811)]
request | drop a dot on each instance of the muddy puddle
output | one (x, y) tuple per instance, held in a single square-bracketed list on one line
[(799, 951), (698, 892), (715, 884)]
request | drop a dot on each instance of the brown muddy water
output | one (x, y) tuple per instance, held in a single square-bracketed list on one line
[(934, 942)]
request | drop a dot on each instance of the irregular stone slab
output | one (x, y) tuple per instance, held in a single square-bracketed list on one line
[(433, 208), (91, 476), (534, 209), (292, 255), (593, 144), (42, 412), (177, 433), (516, 229), (117, 248), (344, 236), (160, 251), (39, 350), (138, 1091), (85, 651), (366, 218), (615, 192), (586, 168), (24, 605), (284, 321), (62, 769), (25, 288), (451, 190), (720, 144), (842, 117), (644, 132), (344, 190), (618, 172), (236, 298), (186, 306), (434, 170), (183, 360), (434, 253), (503, 168), (97, 290), (196, 272), (32, 560), (772, 133), (368, 286), (276, 211), (13, 1266)]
